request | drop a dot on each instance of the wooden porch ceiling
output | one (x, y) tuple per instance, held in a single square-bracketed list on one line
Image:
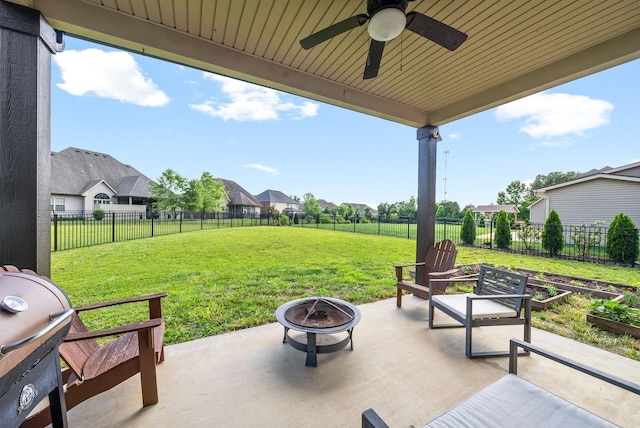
[(514, 48)]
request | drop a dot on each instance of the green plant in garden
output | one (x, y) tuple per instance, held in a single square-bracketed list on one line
[(552, 239), (553, 290), (616, 311), (503, 231), (468, 230), (622, 239), (98, 214), (539, 297), (631, 299)]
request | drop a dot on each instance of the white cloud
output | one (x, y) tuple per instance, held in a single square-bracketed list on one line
[(454, 136), (259, 167), (114, 75), (550, 115), (249, 102)]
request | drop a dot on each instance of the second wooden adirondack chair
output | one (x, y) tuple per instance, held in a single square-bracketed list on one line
[(439, 264)]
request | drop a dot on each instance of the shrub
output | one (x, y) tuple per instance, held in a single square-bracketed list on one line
[(503, 231), (326, 218), (552, 239), (529, 235), (585, 237), (98, 214), (284, 220), (296, 218), (468, 231), (622, 239)]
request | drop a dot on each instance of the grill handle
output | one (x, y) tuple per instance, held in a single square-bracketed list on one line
[(60, 317)]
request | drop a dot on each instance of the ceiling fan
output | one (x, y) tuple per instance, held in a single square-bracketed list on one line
[(387, 19)]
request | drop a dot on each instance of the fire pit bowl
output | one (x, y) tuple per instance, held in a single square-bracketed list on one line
[(35, 317), (318, 315)]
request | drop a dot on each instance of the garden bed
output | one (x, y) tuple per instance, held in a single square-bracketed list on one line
[(544, 297), (612, 326)]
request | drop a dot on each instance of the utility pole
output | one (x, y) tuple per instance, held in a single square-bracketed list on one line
[(446, 152)]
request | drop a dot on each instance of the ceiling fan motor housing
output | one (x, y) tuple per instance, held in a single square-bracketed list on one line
[(374, 6)]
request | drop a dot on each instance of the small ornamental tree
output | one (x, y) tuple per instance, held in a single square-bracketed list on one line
[(552, 239), (468, 231), (622, 239), (503, 231), (98, 214)]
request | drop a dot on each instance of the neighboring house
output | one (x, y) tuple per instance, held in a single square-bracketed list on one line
[(598, 195), (82, 180), (360, 209), (490, 210), (278, 200), (324, 204), (242, 204)]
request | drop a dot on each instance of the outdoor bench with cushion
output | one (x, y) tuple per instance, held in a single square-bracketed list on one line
[(514, 401)]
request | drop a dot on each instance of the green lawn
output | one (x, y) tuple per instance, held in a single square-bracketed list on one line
[(226, 279)]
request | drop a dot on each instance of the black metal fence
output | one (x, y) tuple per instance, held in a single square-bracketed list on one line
[(581, 242)]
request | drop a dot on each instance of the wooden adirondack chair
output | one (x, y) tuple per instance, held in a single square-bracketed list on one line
[(94, 368), (438, 264)]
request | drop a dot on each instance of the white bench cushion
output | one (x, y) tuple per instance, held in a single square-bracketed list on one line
[(514, 402), (481, 308)]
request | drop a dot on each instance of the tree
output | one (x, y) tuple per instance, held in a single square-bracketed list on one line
[(214, 195), (408, 208), (553, 178), (503, 231), (367, 213), (519, 194), (468, 230), (310, 205), (552, 236), (450, 210), (622, 239), (383, 210), (168, 191)]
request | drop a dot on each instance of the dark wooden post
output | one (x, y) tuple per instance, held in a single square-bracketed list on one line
[(428, 138), (26, 45)]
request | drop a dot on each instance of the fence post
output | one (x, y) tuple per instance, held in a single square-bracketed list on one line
[(152, 220), (180, 230), (445, 228), (408, 228), (491, 234), (55, 232), (202, 220), (634, 247), (113, 227)]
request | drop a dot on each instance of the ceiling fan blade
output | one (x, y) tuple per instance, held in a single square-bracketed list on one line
[(436, 31), (373, 59), (333, 30)]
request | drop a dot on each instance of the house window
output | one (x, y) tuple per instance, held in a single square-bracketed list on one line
[(101, 198), (57, 204)]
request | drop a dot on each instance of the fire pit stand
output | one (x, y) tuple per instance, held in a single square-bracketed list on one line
[(318, 315)]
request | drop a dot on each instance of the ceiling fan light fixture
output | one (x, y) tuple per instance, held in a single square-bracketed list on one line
[(387, 24)]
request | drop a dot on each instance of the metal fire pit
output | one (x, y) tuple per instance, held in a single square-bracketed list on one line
[(35, 316), (313, 315)]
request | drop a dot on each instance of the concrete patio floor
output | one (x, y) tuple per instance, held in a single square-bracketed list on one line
[(406, 372)]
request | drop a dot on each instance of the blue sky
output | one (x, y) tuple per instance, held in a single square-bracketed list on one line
[(157, 115)]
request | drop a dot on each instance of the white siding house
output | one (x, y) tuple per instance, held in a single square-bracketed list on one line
[(83, 180), (598, 195)]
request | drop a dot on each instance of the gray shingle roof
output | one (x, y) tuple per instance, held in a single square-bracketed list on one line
[(74, 170), (238, 195), (275, 196)]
